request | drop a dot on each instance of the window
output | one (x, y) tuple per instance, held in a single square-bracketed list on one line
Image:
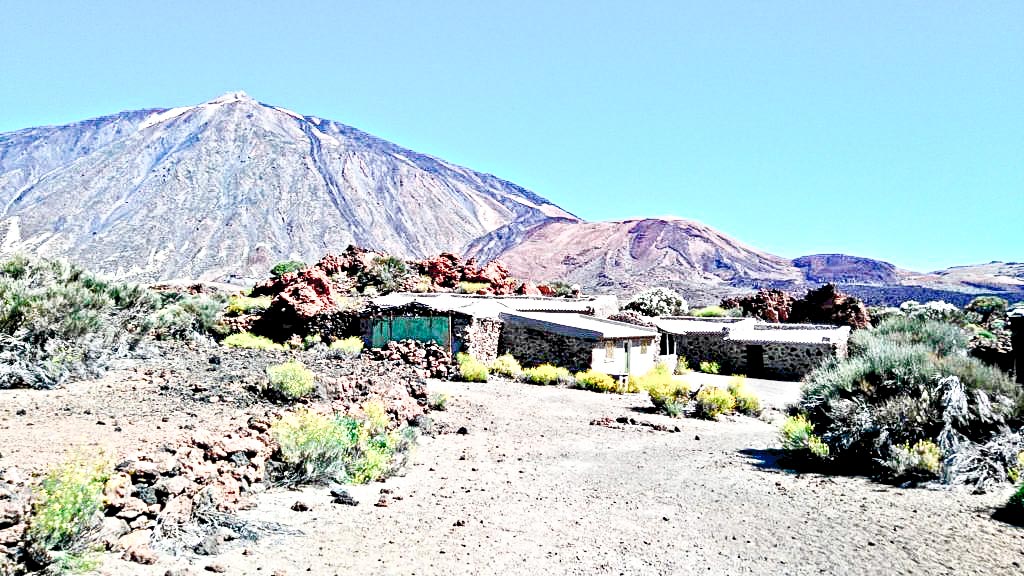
[(643, 346), (609, 351)]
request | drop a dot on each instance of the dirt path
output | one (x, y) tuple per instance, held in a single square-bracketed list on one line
[(535, 488)]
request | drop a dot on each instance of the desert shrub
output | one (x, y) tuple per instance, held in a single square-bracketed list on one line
[(282, 268), (666, 394), (923, 459), (547, 375), (710, 312), (598, 382), (935, 310), (252, 342), (438, 402), (657, 302), (710, 367), (471, 369), (562, 289), (183, 316), (472, 287), (987, 307), (239, 304), (908, 381), (1014, 509), (66, 515), (58, 322), (682, 366), (317, 449), (746, 402), (347, 347), (291, 380), (797, 434), (386, 274), (712, 402), (506, 365)]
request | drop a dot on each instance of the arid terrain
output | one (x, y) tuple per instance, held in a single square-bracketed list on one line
[(543, 480)]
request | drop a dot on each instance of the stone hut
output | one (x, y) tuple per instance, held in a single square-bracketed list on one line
[(461, 326), (751, 347), (578, 342)]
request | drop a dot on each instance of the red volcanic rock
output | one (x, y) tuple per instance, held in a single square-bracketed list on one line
[(827, 305), (768, 305), (545, 290), (444, 270), (307, 293), (529, 289)]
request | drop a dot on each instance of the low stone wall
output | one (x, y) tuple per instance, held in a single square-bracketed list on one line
[(478, 337), (793, 361), (697, 348), (533, 347)]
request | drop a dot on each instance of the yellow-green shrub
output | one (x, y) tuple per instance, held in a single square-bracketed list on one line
[(506, 365), (292, 380), (251, 341), (746, 401), (712, 402), (348, 347), (710, 367), (546, 375), (682, 366), (597, 381), (667, 394), (239, 304), (924, 458), (472, 287), (797, 434), (67, 510), (471, 369)]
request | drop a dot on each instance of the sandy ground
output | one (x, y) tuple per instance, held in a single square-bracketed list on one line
[(534, 487)]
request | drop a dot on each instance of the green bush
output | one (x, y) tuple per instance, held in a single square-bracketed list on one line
[(746, 402), (562, 289), (657, 302), (386, 274), (291, 380), (598, 382), (923, 459), (66, 516), (712, 402), (471, 369), (710, 367), (182, 316), (318, 449), (472, 287), (348, 347), (252, 342), (682, 366), (797, 434), (282, 268), (987, 307), (506, 365), (1015, 507), (239, 304), (547, 375), (710, 312)]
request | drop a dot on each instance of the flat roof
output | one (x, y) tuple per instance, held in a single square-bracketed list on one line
[(578, 325), (751, 330), (698, 325)]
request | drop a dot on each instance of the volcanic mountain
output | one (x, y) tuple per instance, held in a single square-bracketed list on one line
[(229, 187)]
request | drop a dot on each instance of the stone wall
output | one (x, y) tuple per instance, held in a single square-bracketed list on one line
[(533, 347), (697, 348), (793, 361), (1017, 326), (478, 337)]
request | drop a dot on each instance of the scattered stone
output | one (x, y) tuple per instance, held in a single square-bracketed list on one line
[(217, 568), (462, 430), (300, 506), (208, 546), (341, 496)]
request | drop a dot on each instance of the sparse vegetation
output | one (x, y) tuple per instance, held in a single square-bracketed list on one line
[(712, 402), (797, 434), (291, 380), (711, 312), (349, 347), (668, 395), (282, 268), (682, 366), (657, 302), (252, 341), (438, 401), (506, 365), (471, 369), (317, 449), (746, 402), (710, 367), (387, 274), (66, 516), (547, 375), (923, 460), (239, 304), (182, 316), (472, 287)]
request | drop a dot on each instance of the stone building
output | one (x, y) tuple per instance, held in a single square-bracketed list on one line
[(749, 346), (578, 342)]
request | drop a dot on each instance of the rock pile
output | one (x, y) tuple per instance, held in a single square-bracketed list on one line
[(14, 509), (768, 305), (824, 305), (428, 358)]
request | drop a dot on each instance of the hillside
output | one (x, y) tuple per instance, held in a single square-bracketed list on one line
[(227, 188)]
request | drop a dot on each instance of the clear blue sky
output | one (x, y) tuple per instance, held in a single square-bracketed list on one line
[(893, 130)]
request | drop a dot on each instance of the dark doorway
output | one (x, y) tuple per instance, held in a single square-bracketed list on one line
[(755, 360)]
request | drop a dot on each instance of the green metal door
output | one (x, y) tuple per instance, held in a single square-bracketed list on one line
[(421, 328)]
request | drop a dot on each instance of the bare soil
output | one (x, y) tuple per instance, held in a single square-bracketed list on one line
[(545, 480)]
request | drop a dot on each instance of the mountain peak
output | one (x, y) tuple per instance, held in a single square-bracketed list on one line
[(229, 97)]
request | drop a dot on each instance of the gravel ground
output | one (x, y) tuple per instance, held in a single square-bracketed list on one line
[(535, 487)]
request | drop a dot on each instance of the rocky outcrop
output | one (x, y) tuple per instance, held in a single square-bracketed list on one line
[(429, 359), (827, 305), (768, 305)]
